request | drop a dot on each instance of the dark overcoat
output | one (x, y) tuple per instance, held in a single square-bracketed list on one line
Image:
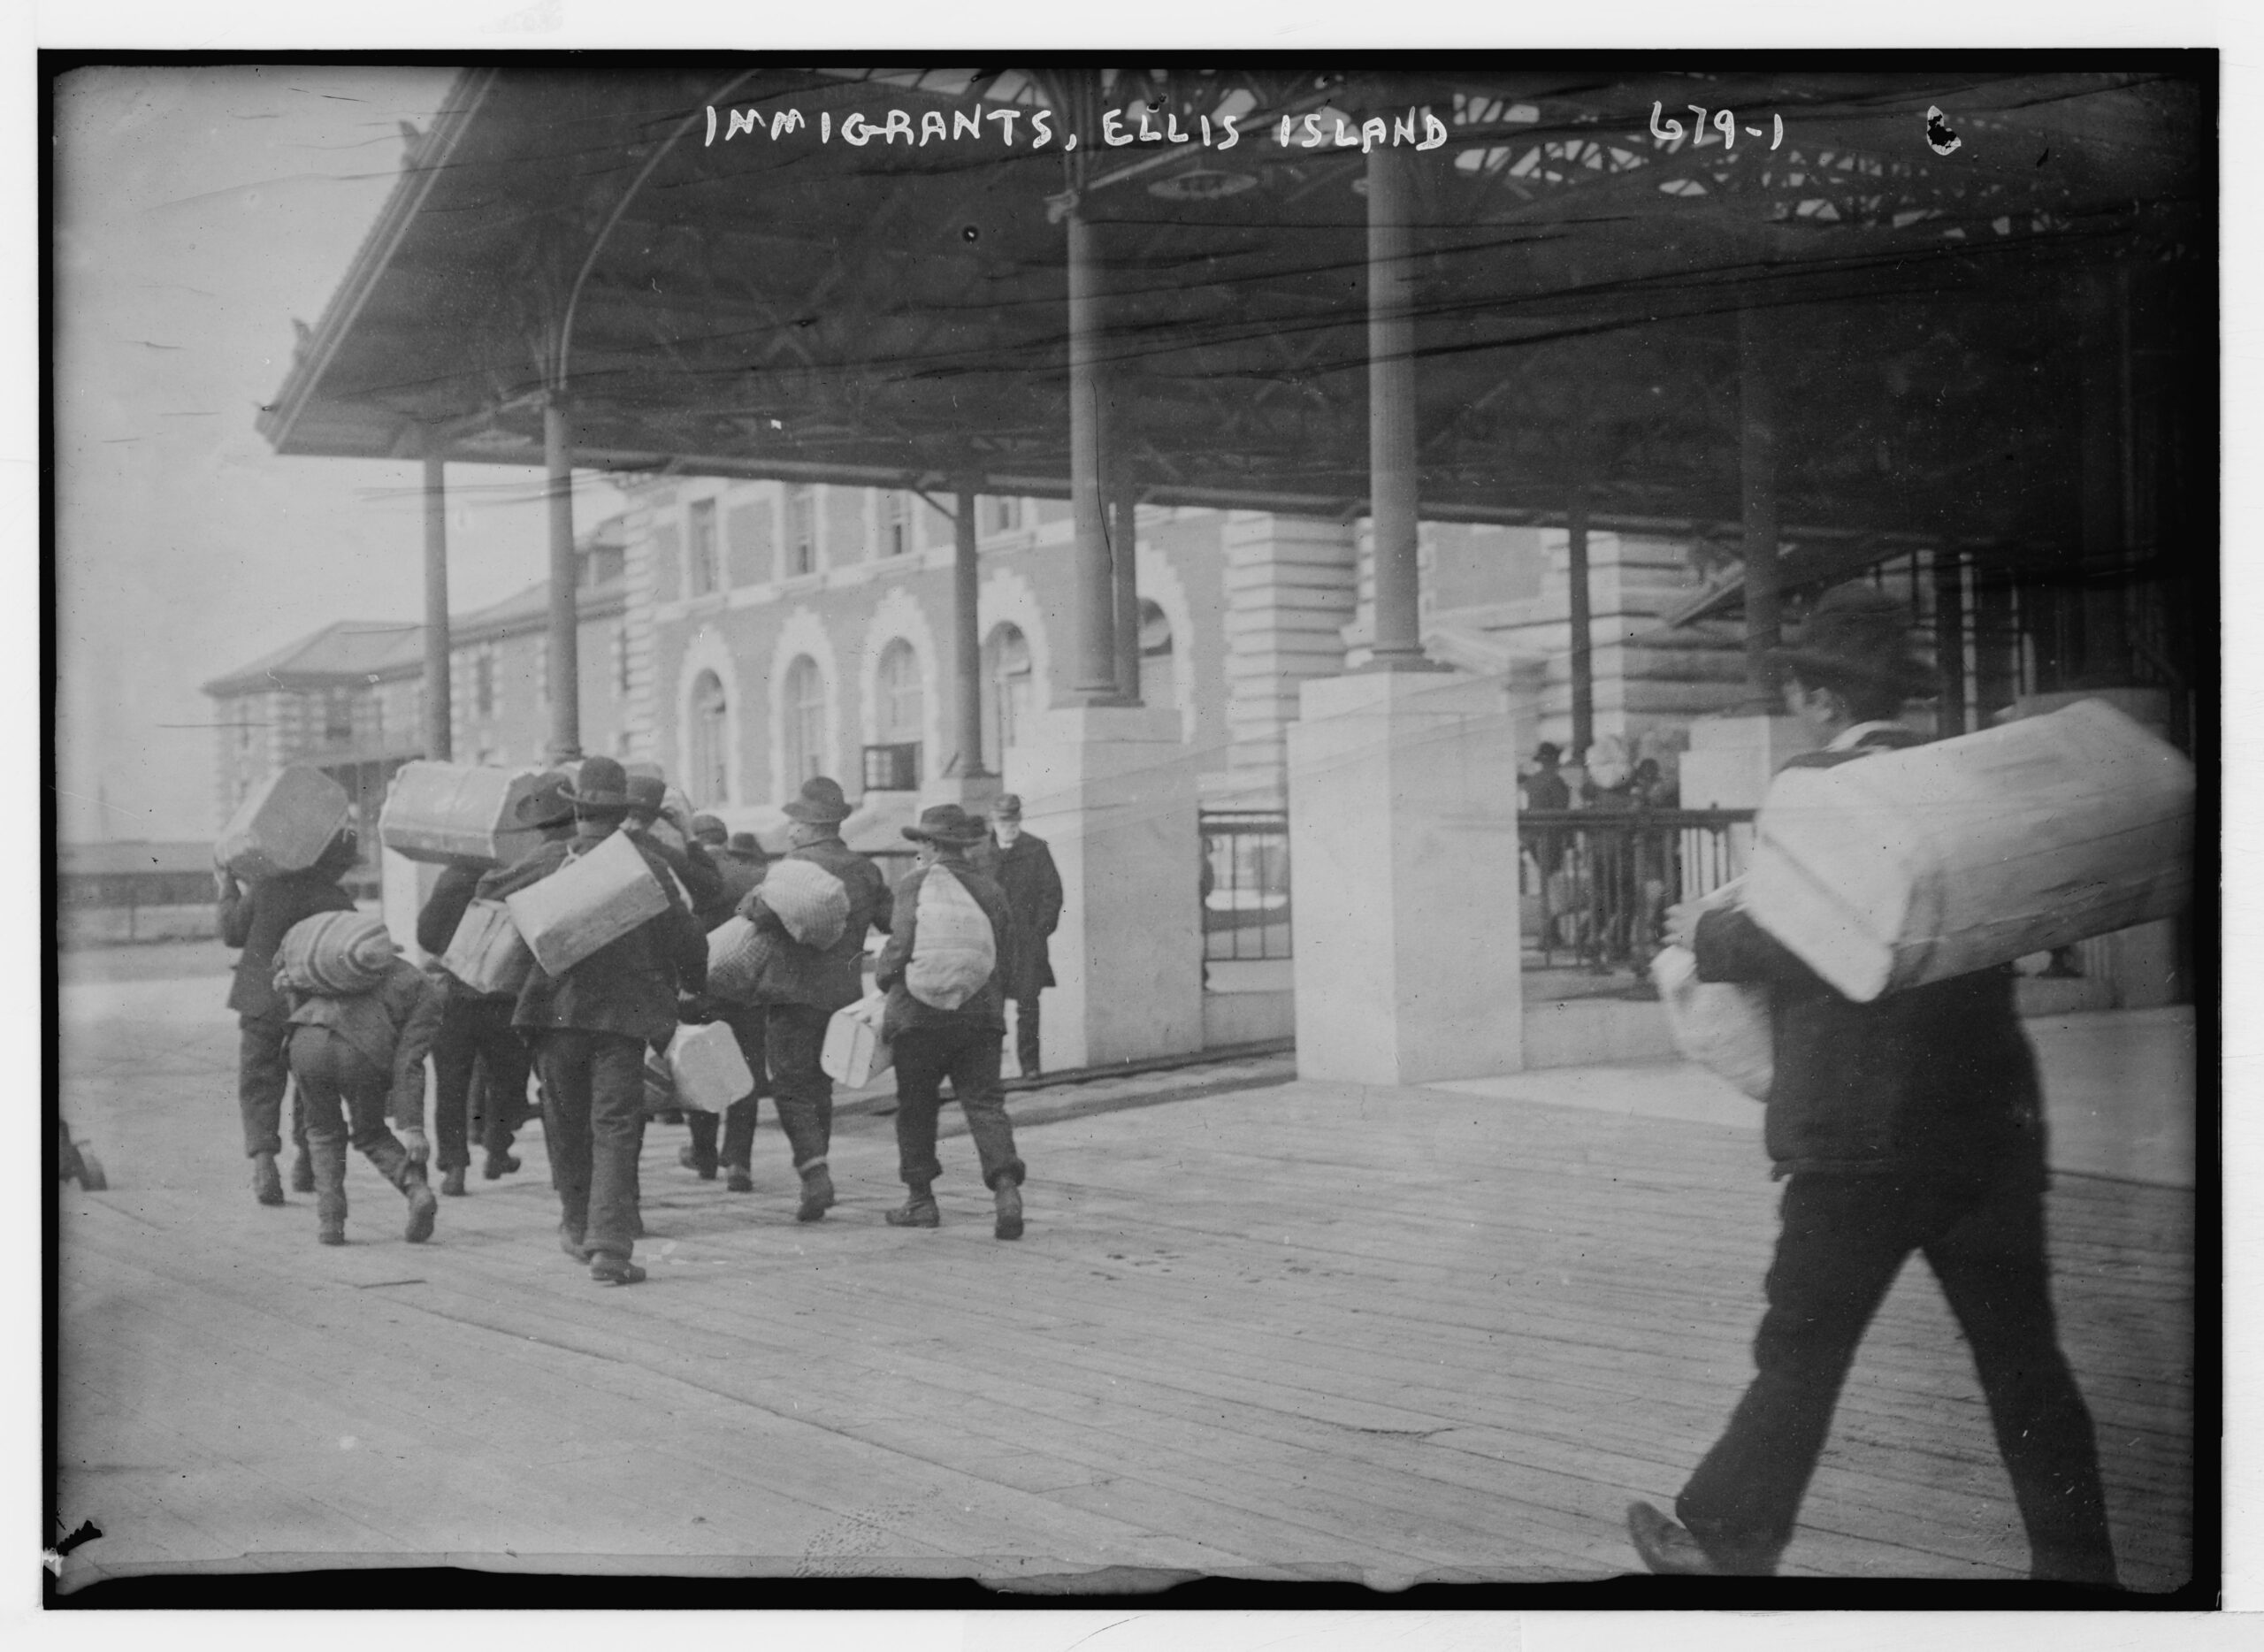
[(988, 1005), (257, 919), (824, 978), (1936, 1079), (1026, 872)]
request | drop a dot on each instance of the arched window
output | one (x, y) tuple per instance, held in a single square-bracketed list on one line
[(711, 776), (1158, 683), (1007, 686), (898, 689), (805, 721)]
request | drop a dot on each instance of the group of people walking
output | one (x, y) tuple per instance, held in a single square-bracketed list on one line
[(586, 1034)]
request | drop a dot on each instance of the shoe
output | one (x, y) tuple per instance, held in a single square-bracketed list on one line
[(918, 1211), (741, 1181), (705, 1169), (570, 1245), (424, 1208), (266, 1180), (303, 1171), (817, 1195), (614, 1270), (451, 1182), (1009, 1196), (1670, 1548), (498, 1167)]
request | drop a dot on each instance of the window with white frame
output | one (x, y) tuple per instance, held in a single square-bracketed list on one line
[(1005, 514), (896, 523), (710, 779), (1158, 684), (805, 721), (801, 529), (703, 572), (1007, 686), (901, 704)]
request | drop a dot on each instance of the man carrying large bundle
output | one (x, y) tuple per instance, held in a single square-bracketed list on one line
[(1911, 1122), (475, 1030), (946, 1012), (256, 920), (590, 1028), (739, 864), (814, 909)]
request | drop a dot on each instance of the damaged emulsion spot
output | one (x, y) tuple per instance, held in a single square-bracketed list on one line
[(1939, 138)]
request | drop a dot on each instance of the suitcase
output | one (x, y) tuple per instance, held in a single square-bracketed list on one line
[(708, 1071), (486, 952), (284, 825), (589, 902), (855, 1054), (1917, 865), (461, 813)]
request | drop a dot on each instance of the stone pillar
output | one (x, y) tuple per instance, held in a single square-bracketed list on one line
[(1392, 485), (565, 607), (1124, 542), (1403, 831), (1112, 790), (439, 721), (1291, 589)]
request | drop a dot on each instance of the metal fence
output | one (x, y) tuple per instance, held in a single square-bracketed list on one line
[(1246, 878), (1596, 882)]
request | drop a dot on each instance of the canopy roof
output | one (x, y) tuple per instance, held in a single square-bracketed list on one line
[(893, 313)]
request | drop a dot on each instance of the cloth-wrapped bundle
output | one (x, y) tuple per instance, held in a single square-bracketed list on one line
[(334, 954), (810, 901), (737, 955), (953, 950)]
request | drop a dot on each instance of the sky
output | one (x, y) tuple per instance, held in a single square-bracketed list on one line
[(199, 210)]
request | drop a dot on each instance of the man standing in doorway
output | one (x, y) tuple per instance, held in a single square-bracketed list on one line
[(1026, 872), (802, 985)]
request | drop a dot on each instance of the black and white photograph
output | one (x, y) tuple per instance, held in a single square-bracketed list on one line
[(1075, 823)]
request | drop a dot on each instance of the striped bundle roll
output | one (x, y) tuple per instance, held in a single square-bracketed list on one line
[(810, 901), (334, 954)]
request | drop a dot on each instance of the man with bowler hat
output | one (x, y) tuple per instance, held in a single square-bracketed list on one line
[(801, 986), (932, 1043), (1024, 870), (590, 1027), (739, 866), (1911, 1123), (476, 1029)]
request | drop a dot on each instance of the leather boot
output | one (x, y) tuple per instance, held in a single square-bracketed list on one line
[(817, 1193), (451, 1182), (608, 1269), (570, 1242), (1008, 1195), (918, 1209), (266, 1180), (302, 1170), (326, 1169), (393, 1163), (498, 1164)]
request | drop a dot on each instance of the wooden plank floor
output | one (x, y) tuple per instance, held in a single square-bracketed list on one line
[(1295, 1331)]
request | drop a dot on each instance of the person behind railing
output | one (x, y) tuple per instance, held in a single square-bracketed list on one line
[(1610, 854)]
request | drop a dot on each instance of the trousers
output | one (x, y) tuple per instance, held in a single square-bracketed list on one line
[(262, 1074), (1026, 1034), (967, 1055), (793, 1037), (344, 1096), (473, 1032), (593, 1121), (746, 1021), (1843, 1240)]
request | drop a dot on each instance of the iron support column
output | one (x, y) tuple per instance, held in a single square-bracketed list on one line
[(439, 715), (1576, 580), (1096, 684), (565, 609), (967, 629), (1757, 475), (2104, 655), (1398, 643)]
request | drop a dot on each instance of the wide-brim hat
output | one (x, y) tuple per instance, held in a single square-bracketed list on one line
[(820, 804), (601, 786), (946, 823), (1858, 635), (548, 804)]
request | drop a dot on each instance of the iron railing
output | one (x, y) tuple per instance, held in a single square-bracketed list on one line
[(1246, 903), (1596, 882)]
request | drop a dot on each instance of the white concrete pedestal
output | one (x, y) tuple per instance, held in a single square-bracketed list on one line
[(1112, 790), (404, 887), (1731, 759), (1403, 835)]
